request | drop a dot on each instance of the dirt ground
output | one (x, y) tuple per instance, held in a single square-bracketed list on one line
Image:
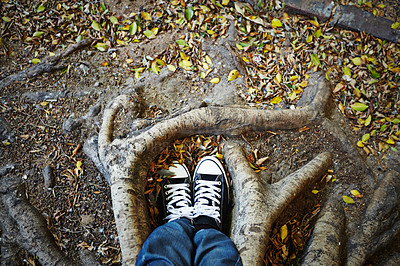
[(78, 207)]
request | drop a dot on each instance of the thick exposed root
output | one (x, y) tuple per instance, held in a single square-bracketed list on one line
[(380, 222), (126, 160), (28, 226), (327, 242), (258, 204)]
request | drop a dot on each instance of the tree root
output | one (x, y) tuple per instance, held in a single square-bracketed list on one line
[(49, 64), (23, 226), (378, 226), (125, 161), (258, 204), (28, 223), (380, 222), (325, 247)]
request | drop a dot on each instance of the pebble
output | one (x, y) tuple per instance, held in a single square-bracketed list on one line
[(71, 124), (48, 177), (5, 168), (6, 132)]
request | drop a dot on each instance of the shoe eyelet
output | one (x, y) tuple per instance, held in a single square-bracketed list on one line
[(219, 183)]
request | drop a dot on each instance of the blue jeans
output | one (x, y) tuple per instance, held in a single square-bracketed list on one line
[(178, 243)]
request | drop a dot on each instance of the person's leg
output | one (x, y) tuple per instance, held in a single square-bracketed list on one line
[(172, 242), (214, 248), (211, 200), (169, 244)]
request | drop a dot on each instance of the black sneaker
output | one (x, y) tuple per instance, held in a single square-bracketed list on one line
[(210, 193), (174, 200)]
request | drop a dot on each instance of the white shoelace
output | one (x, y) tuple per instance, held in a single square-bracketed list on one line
[(207, 191), (179, 202)]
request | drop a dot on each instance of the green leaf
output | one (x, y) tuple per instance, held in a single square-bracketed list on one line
[(383, 127), (6, 19), (365, 137), (347, 71), (113, 20), (348, 200), (243, 44), (315, 60), (38, 34), (181, 42), (133, 28), (41, 8), (317, 33), (79, 38), (149, 34), (396, 121), (155, 68), (103, 7), (189, 13), (101, 46), (359, 107), (96, 26)]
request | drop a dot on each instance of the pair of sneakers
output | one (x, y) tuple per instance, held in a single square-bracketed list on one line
[(204, 200)]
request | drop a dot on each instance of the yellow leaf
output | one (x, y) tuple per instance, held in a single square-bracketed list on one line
[(284, 232), (368, 121), (128, 61), (303, 84), (185, 64), (278, 78), (293, 78), (315, 23), (276, 23), (356, 61), (348, 200), (360, 144), (205, 66), (208, 59), (184, 56), (233, 75), (171, 68), (35, 61), (146, 16), (395, 25), (338, 87), (214, 80), (286, 16), (309, 39), (390, 141), (211, 32), (341, 108), (356, 194), (245, 59), (251, 90), (276, 100), (219, 156), (314, 191), (225, 2)]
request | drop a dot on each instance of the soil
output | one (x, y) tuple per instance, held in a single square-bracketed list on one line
[(78, 207)]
